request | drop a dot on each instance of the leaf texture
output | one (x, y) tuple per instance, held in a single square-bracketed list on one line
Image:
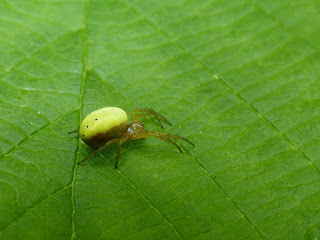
[(238, 78)]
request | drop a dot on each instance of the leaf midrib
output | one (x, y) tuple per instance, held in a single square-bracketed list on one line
[(82, 88)]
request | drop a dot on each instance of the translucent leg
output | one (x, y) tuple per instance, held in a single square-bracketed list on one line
[(118, 152), (74, 131), (165, 139), (138, 113), (101, 149), (172, 136)]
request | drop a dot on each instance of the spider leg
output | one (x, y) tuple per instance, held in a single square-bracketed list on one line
[(119, 150), (173, 136), (100, 149), (147, 114), (74, 131), (143, 112), (154, 134)]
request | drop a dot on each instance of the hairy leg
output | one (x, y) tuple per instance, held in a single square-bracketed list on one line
[(101, 149), (119, 150), (138, 113), (164, 138), (74, 131), (172, 136)]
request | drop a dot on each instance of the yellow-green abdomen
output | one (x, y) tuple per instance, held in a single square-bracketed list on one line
[(102, 125)]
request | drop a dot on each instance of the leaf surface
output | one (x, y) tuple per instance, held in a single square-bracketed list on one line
[(240, 79)]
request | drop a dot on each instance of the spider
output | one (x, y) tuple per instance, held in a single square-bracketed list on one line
[(108, 125)]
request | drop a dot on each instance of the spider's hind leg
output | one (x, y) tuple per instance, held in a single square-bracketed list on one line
[(74, 131), (118, 151), (117, 140)]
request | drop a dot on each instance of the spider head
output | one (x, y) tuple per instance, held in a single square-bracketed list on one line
[(135, 129)]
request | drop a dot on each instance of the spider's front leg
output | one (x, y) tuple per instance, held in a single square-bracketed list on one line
[(138, 113), (165, 137)]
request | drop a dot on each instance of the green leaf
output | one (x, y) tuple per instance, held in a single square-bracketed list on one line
[(238, 78)]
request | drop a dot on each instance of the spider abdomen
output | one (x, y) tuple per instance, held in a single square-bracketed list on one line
[(103, 125)]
